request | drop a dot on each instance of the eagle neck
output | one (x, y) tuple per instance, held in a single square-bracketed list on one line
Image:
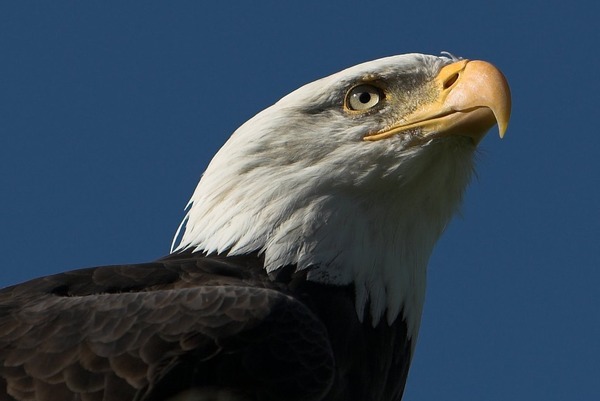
[(374, 233)]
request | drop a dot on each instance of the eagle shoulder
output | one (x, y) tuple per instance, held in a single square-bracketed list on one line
[(195, 323)]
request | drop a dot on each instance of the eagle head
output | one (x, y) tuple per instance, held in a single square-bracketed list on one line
[(353, 177)]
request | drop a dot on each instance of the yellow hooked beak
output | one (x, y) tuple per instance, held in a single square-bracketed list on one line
[(473, 96)]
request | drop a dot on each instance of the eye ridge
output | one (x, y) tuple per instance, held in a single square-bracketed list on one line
[(363, 97)]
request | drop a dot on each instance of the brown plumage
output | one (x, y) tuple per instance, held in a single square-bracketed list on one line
[(202, 323)]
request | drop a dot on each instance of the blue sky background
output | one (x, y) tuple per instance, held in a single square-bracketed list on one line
[(109, 113)]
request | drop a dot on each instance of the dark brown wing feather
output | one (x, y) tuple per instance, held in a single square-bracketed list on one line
[(148, 332), (371, 363)]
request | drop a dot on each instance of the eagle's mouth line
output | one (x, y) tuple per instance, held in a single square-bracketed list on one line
[(431, 122)]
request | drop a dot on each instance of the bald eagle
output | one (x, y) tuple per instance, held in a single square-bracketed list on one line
[(299, 270)]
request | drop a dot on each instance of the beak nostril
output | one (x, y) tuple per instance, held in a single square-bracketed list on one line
[(451, 80)]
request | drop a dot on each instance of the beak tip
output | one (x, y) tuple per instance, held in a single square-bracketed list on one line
[(502, 119), (502, 129)]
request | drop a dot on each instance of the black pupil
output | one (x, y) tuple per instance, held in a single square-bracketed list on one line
[(364, 97)]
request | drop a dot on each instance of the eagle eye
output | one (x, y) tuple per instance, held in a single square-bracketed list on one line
[(363, 97)]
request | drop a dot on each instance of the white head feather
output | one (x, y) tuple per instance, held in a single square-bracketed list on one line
[(299, 184)]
